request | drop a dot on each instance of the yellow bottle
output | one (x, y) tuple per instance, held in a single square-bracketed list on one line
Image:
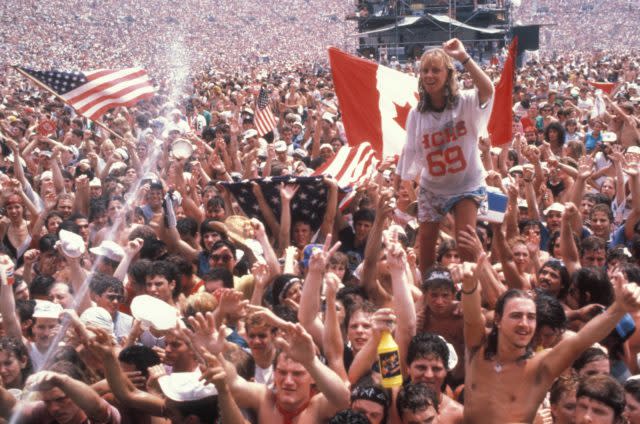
[(389, 361)]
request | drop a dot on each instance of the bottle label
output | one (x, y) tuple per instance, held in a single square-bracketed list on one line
[(389, 364), (9, 276)]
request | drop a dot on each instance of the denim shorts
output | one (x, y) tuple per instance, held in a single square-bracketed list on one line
[(434, 207)]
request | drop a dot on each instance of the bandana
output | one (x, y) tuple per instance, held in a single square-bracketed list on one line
[(285, 289), (288, 416), (371, 393)]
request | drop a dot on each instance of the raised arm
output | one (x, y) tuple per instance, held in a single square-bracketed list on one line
[(330, 211), (7, 301), (402, 300), (332, 343), (96, 408), (512, 276), (564, 353), (474, 324), (456, 50), (369, 280), (310, 299), (632, 169), (568, 249), (298, 345), (287, 193)]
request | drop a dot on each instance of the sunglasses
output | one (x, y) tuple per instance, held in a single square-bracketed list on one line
[(224, 258), (112, 297)]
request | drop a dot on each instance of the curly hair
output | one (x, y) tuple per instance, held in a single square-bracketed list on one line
[(451, 91)]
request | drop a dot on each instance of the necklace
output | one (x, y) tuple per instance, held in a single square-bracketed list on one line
[(498, 367)]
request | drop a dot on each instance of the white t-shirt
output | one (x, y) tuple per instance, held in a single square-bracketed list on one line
[(442, 147)]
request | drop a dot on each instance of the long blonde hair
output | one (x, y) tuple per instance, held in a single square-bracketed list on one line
[(450, 88)]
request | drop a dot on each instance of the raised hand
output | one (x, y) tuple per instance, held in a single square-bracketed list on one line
[(455, 49), (570, 210), (232, 302), (101, 344), (631, 167), (260, 272), (396, 256), (214, 373), (288, 191), (319, 257), (134, 246), (468, 240), (585, 167), (627, 294), (383, 320), (205, 336), (332, 284), (258, 227), (297, 344)]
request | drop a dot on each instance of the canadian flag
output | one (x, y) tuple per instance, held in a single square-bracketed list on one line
[(375, 101)]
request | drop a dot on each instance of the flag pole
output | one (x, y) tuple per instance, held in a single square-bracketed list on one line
[(59, 97)]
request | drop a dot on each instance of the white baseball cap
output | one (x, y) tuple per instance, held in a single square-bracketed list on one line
[(46, 309), (186, 386), (109, 249)]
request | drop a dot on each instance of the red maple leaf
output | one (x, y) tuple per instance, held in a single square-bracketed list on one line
[(402, 112)]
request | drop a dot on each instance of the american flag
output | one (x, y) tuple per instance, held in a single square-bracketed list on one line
[(310, 202), (93, 93), (351, 167), (264, 119)]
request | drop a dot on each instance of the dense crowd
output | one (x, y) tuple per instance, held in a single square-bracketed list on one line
[(570, 26), (135, 287)]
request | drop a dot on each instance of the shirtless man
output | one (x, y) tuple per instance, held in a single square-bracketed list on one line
[(428, 362), (505, 380), (296, 368), (441, 314)]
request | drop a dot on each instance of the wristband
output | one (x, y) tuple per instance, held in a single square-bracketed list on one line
[(464, 62), (473, 290)]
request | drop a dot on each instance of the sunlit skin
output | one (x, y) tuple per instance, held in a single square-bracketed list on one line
[(429, 370), (594, 258), (591, 411), (53, 224), (564, 412), (548, 337), (433, 76), (109, 300), (209, 239), (158, 286), (359, 330), (11, 369), (521, 257), (44, 330), (260, 340), (361, 229), (599, 367), (517, 324), (65, 207), (631, 409), (372, 410), (439, 301), (292, 382), (178, 354), (608, 188), (428, 415), (451, 257), (222, 258), (553, 221), (83, 226), (60, 294), (301, 234), (61, 408), (601, 224), (154, 199)]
